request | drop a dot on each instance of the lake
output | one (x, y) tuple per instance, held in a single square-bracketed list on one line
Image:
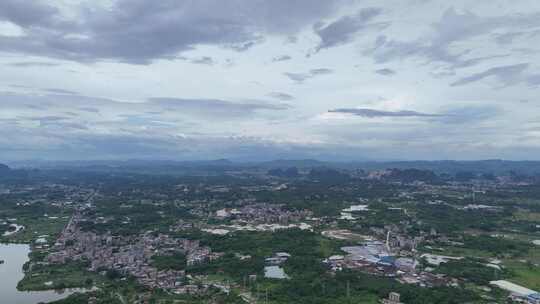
[(11, 272)]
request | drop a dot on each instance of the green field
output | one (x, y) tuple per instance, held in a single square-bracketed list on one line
[(526, 273), (71, 275)]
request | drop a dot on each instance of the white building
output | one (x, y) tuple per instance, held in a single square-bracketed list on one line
[(523, 293)]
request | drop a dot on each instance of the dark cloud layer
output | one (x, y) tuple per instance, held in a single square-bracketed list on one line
[(342, 30), (139, 31), (454, 115), (27, 13)]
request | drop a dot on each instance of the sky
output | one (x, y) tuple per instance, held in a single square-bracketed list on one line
[(276, 79)]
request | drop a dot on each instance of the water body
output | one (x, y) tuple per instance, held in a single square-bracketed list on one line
[(11, 272)]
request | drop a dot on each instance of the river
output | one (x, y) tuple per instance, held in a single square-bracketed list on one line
[(11, 272)]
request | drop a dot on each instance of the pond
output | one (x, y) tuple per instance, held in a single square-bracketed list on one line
[(11, 272)]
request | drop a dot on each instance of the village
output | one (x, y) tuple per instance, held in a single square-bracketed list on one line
[(130, 255)]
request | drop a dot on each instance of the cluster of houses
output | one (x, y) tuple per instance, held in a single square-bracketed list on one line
[(263, 213), (130, 255)]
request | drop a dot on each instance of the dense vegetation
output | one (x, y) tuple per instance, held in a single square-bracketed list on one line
[(176, 261)]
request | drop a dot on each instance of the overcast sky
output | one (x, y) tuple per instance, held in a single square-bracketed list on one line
[(256, 79)]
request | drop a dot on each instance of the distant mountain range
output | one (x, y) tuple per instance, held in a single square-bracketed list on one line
[(220, 165), (494, 166)]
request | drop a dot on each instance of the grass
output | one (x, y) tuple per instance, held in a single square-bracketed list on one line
[(526, 273), (527, 216), (328, 247), (71, 275), (112, 292), (36, 226), (462, 252)]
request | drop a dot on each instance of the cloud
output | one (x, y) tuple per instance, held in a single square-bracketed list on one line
[(60, 91), (507, 38), (470, 114), (215, 107), (507, 75), (301, 77), (322, 71), (20, 86), (81, 145), (91, 110), (291, 39), (533, 80), (281, 58), (251, 106), (46, 118), (343, 30), (27, 64), (454, 28), (203, 60), (371, 113), (454, 115), (281, 96), (170, 109), (140, 31), (298, 77), (63, 125), (59, 123), (27, 13), (385, 72)]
